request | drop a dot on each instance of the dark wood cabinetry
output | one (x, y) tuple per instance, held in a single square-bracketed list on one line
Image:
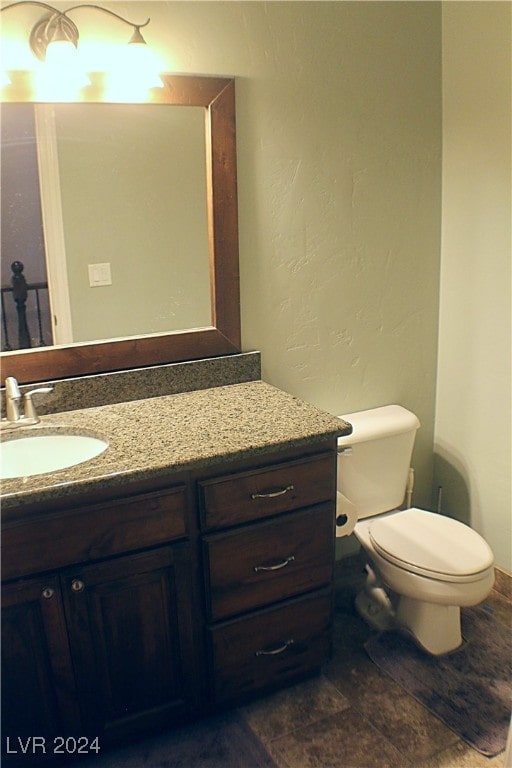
[(56, 538), (38, 695), (130, 614), (107, 644), (265, 562), (253, 570), (102, 649), (266, 649), (132, 641), (252, 495)]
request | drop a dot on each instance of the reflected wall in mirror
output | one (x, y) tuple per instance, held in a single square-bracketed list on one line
[(105, 193), (150, 190)]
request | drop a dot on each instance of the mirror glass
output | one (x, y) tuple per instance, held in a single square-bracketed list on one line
[(137, 223), (133, 228)]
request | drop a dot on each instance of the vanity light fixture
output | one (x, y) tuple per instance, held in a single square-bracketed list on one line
[(4, 79), (54, 42)]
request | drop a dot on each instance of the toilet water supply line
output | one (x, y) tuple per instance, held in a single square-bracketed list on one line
[(409, 489)]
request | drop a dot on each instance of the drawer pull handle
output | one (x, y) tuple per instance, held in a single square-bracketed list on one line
[(48, 593), (272, 494), (275, 651), (277, 567)]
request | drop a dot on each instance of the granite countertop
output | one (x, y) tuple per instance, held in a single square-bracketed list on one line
[(192, 430)]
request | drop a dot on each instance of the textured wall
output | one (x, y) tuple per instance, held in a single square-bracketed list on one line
[(339, 158), (473, 424)]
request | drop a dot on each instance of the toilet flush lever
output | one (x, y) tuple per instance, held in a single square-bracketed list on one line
[(345, 450)]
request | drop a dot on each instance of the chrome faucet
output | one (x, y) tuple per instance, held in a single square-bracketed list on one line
[(13, 400)]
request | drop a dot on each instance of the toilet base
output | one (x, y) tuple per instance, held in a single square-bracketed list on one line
[(432, 626), (373, 613), (435, 628), (373, 603)]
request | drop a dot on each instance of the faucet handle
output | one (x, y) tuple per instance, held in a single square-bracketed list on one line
[(30, 411)]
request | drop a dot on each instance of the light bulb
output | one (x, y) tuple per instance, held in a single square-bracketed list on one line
[(142, 65), (133, 73), (4, 79), (60, 77)]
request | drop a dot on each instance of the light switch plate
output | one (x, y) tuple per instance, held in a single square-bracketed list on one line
[(99, 274)]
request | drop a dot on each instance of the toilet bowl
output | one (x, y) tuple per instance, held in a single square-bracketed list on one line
[(422, 566), (431, 566)]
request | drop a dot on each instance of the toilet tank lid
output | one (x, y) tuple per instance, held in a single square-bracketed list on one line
[(375, 423)]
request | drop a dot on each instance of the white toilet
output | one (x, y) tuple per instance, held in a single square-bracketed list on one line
[(422, 566)]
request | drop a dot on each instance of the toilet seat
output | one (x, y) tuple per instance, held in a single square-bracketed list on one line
[(431, 545)]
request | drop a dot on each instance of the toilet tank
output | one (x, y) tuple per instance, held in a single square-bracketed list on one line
[(374, 461)]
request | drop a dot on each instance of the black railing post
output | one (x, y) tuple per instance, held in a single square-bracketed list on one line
[(39, 319), (20, 289), (20, 292), (7, 344)]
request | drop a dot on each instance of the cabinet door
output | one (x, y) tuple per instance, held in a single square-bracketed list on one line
[(132, 639), (38, 697)]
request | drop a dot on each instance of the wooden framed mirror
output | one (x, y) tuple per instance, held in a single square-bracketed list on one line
[(216, 96)]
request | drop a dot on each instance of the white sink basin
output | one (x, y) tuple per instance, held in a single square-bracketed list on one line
[(36, 454)]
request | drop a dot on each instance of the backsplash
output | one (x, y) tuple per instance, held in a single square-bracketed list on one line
[(141, 383)]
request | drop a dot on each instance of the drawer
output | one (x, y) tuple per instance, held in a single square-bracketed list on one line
[(93, 532), (247, 496), (271, 648), (268, 561)]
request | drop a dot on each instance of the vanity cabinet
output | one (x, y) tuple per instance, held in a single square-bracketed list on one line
[(268, 573), (104, 648), (131, 614)]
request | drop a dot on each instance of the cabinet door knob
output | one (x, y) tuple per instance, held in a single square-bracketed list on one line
[(77, 585), (271, 494), (47, 593)]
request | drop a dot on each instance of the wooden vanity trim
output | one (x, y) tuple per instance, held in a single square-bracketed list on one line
[(93, 532)]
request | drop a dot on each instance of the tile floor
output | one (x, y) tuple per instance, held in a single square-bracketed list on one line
[(355, 716)]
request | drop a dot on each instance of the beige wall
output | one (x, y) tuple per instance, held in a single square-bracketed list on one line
[(473, 420), (339, 160), (340, 127)]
